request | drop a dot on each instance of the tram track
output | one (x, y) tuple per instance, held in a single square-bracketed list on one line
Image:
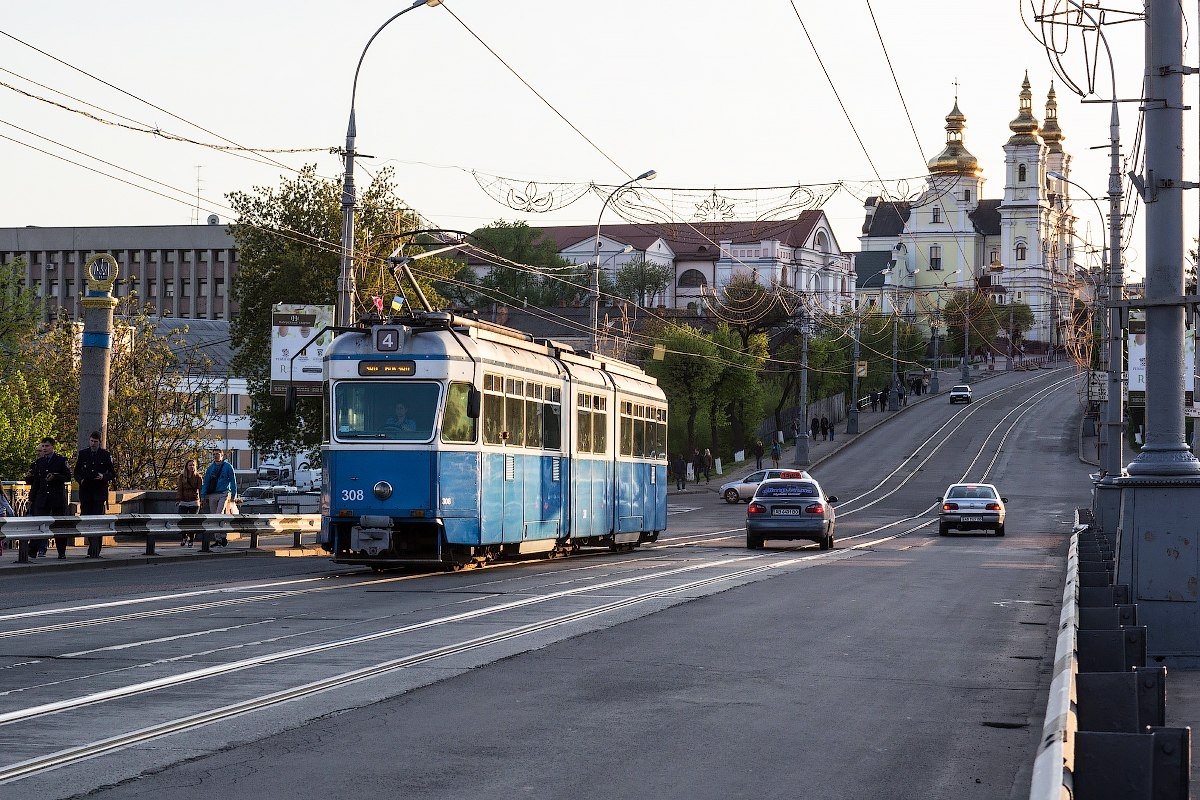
[(681, 579)]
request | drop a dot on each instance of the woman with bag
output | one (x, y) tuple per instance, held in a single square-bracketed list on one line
[(187, 497)]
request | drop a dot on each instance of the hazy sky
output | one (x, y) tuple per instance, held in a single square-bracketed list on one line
[(711, 95)]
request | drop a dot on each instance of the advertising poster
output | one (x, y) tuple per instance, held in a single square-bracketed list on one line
[(293, 327)]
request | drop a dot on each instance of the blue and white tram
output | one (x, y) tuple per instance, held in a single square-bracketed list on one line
[(452, 441)]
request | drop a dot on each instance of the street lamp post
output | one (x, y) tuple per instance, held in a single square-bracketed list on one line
[(934, 385), (1111, 433), (852, 414), (648, 175), (966, 363), (346, 280), (801, 456)]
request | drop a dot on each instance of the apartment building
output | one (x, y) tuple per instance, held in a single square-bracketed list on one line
[(182, 271)]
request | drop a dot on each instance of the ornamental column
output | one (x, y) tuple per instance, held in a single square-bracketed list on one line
[(98, 304)]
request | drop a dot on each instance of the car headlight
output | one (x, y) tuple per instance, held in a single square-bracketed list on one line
[(382, 490)]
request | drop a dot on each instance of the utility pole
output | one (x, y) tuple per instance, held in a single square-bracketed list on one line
[(852, 413), (1156, 554), (801, 456)]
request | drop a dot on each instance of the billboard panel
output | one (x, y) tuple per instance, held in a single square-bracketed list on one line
[(292, 327)]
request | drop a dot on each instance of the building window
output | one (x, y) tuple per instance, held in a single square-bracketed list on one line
[(1022, 173), (692, 279), (151, 288), (935, 256), (235, 458), (235, 405), (185, 287), (966, 195), (202, 288), (937, 214), (168, 288), (1020, 252), (220, 287), (994, 256)]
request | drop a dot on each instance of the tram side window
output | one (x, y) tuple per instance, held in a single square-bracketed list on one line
[(626, 428), (493, 410), (514, 411), (533, 414), (456, 425), (599, 424), (583, 424), (552, 419), (639, 437)]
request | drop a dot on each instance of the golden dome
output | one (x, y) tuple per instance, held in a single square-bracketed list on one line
[(1052, 135), (954, 158), (1025, 126)]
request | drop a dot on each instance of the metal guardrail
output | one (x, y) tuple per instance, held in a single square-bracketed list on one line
[(1105, 734), (205, 527)]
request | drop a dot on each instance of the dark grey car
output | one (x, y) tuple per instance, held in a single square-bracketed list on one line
[(789, 508)]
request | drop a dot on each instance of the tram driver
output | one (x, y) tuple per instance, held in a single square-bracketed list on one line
[(400, 421)]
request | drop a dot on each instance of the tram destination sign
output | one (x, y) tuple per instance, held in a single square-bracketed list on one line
[(387, 369)]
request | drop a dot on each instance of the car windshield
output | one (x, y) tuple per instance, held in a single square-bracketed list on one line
[(972, 493), (788, 489), (961, 389)]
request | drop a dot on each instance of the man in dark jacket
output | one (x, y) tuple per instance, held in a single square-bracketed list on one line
[(94, 470), (47, 478)]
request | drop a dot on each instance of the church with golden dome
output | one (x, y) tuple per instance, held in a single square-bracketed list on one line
[(916, 251)]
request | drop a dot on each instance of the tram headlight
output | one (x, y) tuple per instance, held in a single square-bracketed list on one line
[(382, 490)]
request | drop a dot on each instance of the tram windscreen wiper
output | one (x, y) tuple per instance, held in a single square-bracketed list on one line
[(363, 435)]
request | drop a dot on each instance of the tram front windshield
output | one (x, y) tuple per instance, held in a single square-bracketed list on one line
[(385, 410)]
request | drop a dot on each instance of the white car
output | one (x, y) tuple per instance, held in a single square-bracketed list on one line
[(960, 394), (742, 490), (971, 507)]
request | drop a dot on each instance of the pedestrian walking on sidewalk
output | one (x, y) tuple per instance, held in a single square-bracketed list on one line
[(708, 464), (824, 427), (776, 454), (679, 467), (815, 428), (220, 487), (94, 470), (758, 453), (187, 497)]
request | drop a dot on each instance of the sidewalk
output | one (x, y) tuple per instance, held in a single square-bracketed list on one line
[(820, 450), (133, 553)]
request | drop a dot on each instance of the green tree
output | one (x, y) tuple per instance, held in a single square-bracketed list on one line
[(20, 311), (641, 281), (288, 240), (530, 269), (27, 413), (977, 313), (163, 396), (749, 308), (686, 372), (736, 394)]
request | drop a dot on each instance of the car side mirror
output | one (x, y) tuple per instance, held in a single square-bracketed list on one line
[(1003, 499), (831, 498), (940, 499)]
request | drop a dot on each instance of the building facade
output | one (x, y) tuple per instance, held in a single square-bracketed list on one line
[(181, 271), (1019, 248), (799, 254)]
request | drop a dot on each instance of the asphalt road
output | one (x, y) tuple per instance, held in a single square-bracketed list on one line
[(900, 665)]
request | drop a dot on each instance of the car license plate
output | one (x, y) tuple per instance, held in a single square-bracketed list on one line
[(786, 512), (972, 519)]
